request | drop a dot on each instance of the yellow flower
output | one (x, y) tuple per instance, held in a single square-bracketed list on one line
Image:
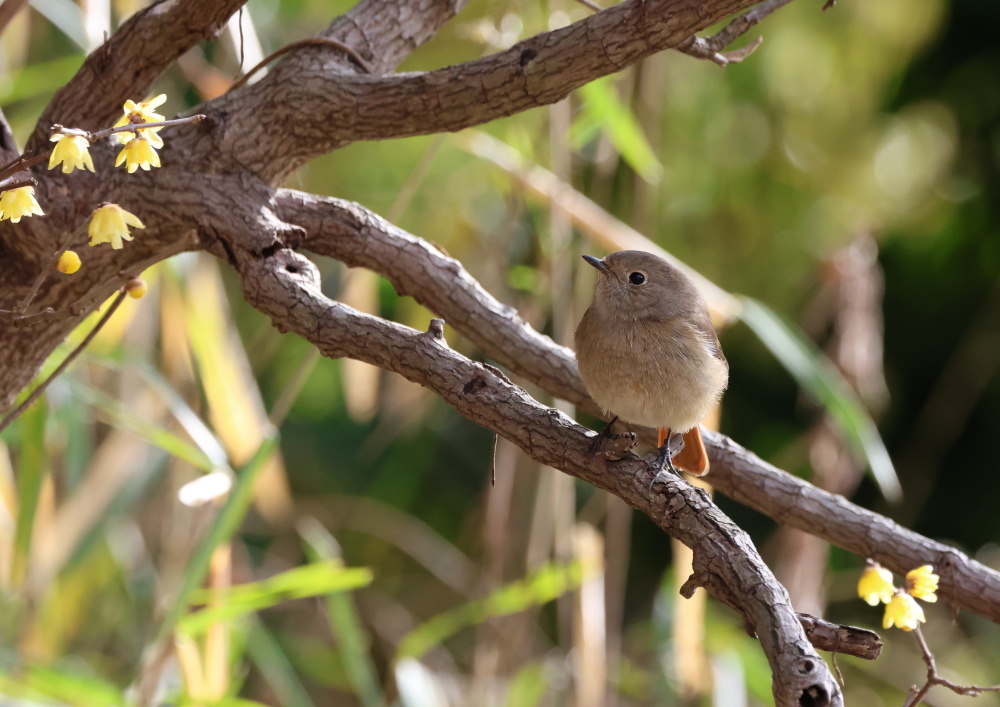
[(136, 288), (138, 153), (904, 612), (922, 583), (109, 224), (141, 112), (875, 584), (15, 203), (69, 262), (73, 151)]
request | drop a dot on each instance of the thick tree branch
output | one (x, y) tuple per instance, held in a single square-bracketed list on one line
[(385, 32), (286, 287), (128, 63), (352, 234), (536, 72)]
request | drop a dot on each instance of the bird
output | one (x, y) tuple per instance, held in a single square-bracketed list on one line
[(649, 355)]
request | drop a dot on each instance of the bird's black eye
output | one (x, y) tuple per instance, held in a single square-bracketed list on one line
[(636, 278)]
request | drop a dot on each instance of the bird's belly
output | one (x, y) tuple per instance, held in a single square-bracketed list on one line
[(672, 395)]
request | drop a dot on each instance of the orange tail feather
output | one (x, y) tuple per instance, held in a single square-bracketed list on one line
[(692, 458)]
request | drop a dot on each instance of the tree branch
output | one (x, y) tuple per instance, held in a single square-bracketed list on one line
[(128, 63), (348, 232), (711, 48), (286, 287), (536, 72)]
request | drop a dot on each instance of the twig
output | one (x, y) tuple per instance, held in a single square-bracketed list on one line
[(711, 48), (22, 163), (311, 42), (129, 128), (26, 161), (18, 183), (933, 678), (15, 413), (359, 238)]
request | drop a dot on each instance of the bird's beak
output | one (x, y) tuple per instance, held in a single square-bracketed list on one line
[(597, 263)]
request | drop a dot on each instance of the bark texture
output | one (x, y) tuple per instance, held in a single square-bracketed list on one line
[(218, 190)]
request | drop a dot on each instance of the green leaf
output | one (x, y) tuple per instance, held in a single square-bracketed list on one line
[(604, 110), (73, 688), (41, 79), (299, 582), (345, 624), (273, 664), (156, 435), (528, 686), (545, 584), (821, 379), (223, 528), (31, 472)]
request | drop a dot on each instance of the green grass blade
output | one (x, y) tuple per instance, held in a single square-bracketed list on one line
[(31, 474), (821, 379), (345, 624), (279, 674), (604, 110), (156, 435), (546, 584), (297, 583), (223, 528)]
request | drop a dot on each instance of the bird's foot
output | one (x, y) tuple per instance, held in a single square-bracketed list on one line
[(612, 446), (663, 462)]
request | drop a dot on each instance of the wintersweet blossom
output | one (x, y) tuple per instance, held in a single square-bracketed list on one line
[(16, 203), (138, 113), (138, 153), (72, 152), (69, 262), (876, 585), (904, 612), (922, 583), (109, 224)]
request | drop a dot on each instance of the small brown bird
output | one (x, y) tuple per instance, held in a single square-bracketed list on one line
[(649, 354)]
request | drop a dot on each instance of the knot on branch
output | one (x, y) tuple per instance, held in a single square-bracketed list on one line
[(435, 331)]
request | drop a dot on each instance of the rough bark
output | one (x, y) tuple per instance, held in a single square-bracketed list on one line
[(354, 235), (217, 191), (286, 287)]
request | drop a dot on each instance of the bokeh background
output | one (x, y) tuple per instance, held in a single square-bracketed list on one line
[(845, 176)]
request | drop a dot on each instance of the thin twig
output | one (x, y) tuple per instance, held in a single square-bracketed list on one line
[(16, 412), (18, 183), (933, 678), (311, 42), (711, 48), (22, 163), (26, 161), (20, 309), (128, 128)]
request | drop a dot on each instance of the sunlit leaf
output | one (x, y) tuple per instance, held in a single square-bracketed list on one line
[(306, 581), (223, 528), (344, 621), (528, 686), (604, 110), (30, 475), (818, 376), (77, 689), (547, 583), (272, 661), (155, 434)]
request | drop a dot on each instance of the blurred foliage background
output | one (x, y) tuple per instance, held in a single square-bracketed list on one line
[(845, 175)]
